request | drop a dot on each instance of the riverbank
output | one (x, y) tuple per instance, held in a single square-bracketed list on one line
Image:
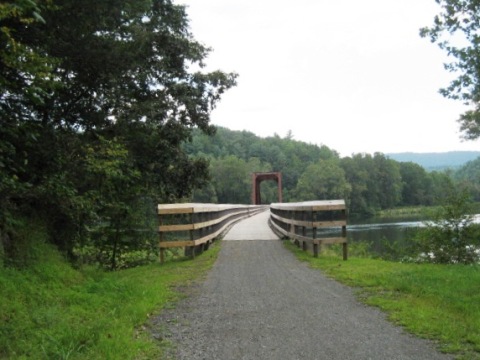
[(438, 302), (420, 211)]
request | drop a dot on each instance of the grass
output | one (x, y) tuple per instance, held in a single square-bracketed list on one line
[(438, 302), (51, 311), (425, 211)]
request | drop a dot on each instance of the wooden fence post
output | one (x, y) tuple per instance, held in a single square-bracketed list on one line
[(316, 249), (344, 234)]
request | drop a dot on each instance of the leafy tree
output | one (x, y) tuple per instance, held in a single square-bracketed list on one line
[(416, 185), (456, 30), (322, 181), (232, 179), (452, 237), (25, 76), (288, 156), (116, 70), (357, 176), (468, 176), (442, 184), (205, 194), (376, 182), (111, 183), (388, 181)]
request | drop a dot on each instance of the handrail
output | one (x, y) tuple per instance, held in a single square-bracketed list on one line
[(296, 220), (194, 226)]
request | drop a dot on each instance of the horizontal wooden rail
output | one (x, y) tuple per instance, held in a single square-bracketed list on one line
[(297, 220), (195, 226)]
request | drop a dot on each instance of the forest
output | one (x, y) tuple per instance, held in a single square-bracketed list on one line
[(367, 182)]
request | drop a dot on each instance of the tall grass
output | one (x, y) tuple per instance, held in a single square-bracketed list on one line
[(48, 310), (438, 302)]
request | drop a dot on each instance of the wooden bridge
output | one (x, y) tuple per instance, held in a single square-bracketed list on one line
[(260, 302), (308, 224)]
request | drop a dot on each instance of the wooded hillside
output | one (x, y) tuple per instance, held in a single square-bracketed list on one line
[(368, 182), (437, 161)]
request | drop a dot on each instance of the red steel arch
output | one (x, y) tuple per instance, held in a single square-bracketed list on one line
[(257, 178)]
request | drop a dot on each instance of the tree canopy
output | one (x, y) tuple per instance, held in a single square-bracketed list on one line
[(309, 172), (456, 29), (96, 99)]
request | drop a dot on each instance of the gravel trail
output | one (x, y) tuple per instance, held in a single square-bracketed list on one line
[(260, 302)]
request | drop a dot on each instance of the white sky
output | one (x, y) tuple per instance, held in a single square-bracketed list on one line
[(352, 75)]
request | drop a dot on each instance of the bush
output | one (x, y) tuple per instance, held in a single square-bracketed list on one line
[(451, 237)]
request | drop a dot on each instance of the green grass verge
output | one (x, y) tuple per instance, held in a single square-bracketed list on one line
[(438, 302), (52, 311)]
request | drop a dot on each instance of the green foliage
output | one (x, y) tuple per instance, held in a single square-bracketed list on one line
[(451, 237), (376, 183), (289, 156), (232, 177), (416, 186), (468, 176), (26, 70), (439, 302), (369, 183), (93, 115), (455, 29), (322, 181), (48, 310)]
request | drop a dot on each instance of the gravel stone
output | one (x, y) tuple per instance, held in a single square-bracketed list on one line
[(260, 302)]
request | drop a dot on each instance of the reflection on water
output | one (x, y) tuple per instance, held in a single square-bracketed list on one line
[(380, 230), (383, 233), (383, 229)]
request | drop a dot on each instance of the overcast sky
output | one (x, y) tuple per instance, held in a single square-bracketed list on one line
[(352, 75)]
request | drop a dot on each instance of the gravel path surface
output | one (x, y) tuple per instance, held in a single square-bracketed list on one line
[(260, 302)]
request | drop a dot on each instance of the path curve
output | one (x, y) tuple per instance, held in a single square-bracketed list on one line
[(260, 302)]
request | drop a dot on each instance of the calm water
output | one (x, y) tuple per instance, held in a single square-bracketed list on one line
[(391, 229), (381, 229), (383, 232)]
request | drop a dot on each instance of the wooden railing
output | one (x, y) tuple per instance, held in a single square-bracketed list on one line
[(195, 226), (311, 224)]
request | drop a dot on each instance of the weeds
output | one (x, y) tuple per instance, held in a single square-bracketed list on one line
[(51, 311)]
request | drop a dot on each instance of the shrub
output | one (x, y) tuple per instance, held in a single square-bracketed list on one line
[(452, 237)]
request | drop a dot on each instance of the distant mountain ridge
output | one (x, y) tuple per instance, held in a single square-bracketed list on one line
[(436, 161)]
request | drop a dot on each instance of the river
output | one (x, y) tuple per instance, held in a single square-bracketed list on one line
[(376, 229), (381, 231)]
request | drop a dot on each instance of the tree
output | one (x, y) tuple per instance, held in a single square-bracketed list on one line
[(324, 180), (388, 181), (456, 29), (417, 185), (469, 175), (231, 179), (117, 70), (452, 237), (25, 76), (357, 175)]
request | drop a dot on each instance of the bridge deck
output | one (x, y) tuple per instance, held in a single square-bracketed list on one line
[(254, 228)]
